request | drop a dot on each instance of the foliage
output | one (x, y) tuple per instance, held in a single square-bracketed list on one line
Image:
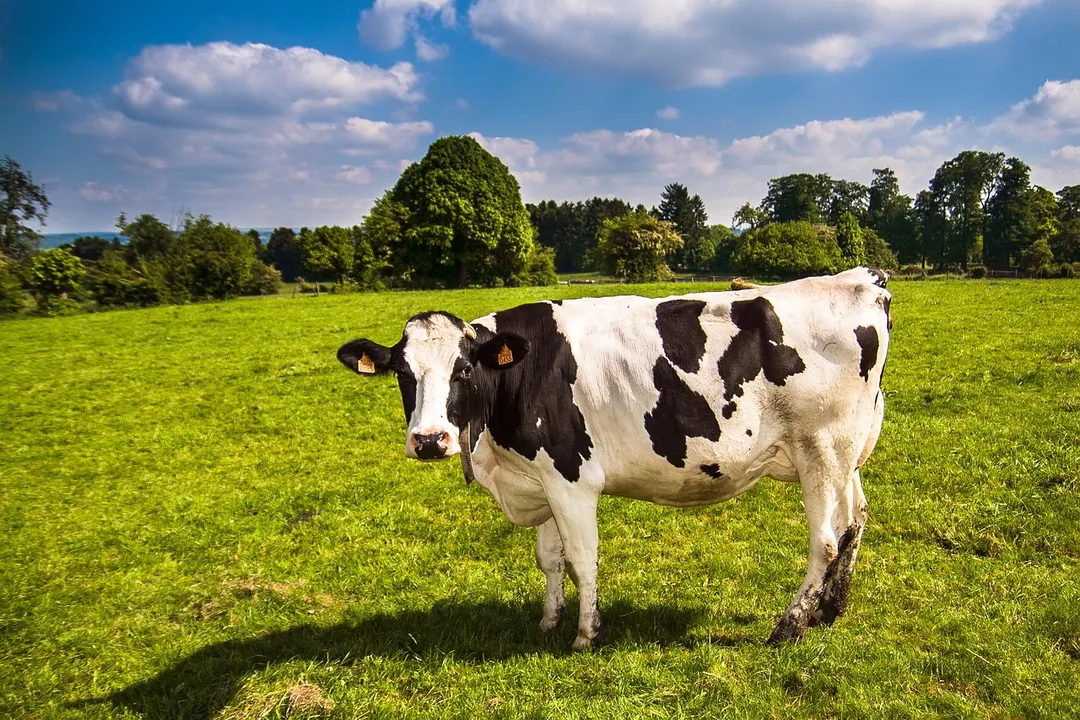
[(814, 198), (635, 247), (11, 296), (90, 248), (327, 252), (55, 273), (265, 279), (539, 269), (203, 509), (573, 228), (114, 283), (750, 217), (282, 253), (724, 241), (148, 238), (963, 187), (212, 260), (687, 215), (21, 201), (788, 249), (1037, 258), (849, 239), (891, 215), (464, 221), (878, 253)]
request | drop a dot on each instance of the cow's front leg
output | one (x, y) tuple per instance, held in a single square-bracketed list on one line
[(575, 514), (549, 558)]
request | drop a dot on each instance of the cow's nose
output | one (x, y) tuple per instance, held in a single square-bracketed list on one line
[(432, 446)]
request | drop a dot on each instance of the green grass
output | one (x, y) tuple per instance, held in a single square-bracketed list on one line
[(201, 510)]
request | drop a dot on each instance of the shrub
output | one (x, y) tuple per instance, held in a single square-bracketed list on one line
[(11, 296), (265, 280), (635, 247), (539, 268), (1068, 270), (1037, 258), (878, 252), (912, 270), (978, 272), (113, 283), (55, 274), (787, 249)]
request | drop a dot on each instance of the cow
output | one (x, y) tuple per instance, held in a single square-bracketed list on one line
[(680, 401)]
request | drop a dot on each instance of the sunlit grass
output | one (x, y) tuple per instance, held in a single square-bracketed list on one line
[(202, 510)]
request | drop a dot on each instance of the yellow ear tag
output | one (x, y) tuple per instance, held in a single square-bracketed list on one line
[(365, 365), (505, 356)]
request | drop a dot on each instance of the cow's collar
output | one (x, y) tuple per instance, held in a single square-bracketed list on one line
[(465, 440)]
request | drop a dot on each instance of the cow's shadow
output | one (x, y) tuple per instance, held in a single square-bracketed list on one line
[(206, 681)]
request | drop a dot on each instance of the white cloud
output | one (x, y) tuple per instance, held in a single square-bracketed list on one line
[(429, 51), (100, 193), (1052, 113), (708, 42), (669, 113), (1068, 153), (223, 82), (54, 101), (461, 104), (357, 175), (387, 24)]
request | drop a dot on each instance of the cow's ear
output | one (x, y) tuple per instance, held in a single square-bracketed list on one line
[(502, 352), (364, 357)]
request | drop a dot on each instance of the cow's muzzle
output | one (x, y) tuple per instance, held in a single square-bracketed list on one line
[(432, 446)]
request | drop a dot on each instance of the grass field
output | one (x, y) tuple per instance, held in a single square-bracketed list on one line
[(204, 515)]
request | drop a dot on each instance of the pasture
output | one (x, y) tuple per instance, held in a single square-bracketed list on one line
[(204, 515)]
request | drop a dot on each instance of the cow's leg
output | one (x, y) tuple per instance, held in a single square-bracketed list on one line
[(837, 584), (574, 511), (827, 495), (549, 558)]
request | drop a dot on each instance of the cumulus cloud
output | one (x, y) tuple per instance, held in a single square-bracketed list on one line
[(429, 51), (54, 101), (705, 42), (212, 83), (357, 175), (669, 113), (102, 193), (387, 24), (1053, 112)]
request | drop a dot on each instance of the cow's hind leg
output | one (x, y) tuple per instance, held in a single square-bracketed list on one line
[(828, 494), (549, 558), (837, 584)]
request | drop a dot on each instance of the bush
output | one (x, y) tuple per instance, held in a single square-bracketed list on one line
[(265, 280), (113, 283), (634, 247), (539, 268), (916, 270), (211, 260), (1068, 270), (787, 249), (1037, 258), (55, 274), (878, 252), (11, 296), (304, 286), (978, 272)]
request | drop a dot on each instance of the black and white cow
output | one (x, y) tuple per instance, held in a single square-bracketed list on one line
[(680, 401)]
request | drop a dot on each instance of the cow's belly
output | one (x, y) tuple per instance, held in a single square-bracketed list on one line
[(513, 481)]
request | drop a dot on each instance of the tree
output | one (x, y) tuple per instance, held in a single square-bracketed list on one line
[(465, 223), (724, 241), (800, 196), (845, 197), (790, 249), (282, 253), (933, 226), (878, 252), (54, 274), (211, 260), (750, 216), (1066, 243), (327, 251), (687, 214), (635, 247), (1009, 221), (21, 200), (891, 215), (90, 248), (148, 237), (1037, 259), (849, 239), (114, 283), (964, 186)]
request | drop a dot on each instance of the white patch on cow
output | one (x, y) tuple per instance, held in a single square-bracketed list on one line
[(538, 421), (432, 346)]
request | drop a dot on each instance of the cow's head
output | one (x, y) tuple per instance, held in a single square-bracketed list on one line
[(441, 364)]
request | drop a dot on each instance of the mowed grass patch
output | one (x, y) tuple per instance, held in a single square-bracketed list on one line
[(205, 515)]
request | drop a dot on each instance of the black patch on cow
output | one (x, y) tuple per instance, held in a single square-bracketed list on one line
[(888, 312), (712, 471), (407, 386), (680, 331), (836, 583), (880, 278), (680, 413), (510, 402), (749, 432), (757, 348), (868, 343)]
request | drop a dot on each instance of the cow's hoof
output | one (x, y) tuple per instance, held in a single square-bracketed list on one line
[(549, 623), (583, 643), (788, 630)]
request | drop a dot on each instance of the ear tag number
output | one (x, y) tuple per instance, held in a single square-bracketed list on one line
[(365, 365), (505, 356)]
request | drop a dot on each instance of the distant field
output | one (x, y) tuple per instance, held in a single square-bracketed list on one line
[(201, 511)]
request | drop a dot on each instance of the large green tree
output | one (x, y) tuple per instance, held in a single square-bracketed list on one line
[(850, 241), (1066, 243), (212, 260), (1010, 218), (964, 186), (282, 253), (21, 201), (788, 249), (687, 214), (464, 222), (54, 274), (635, 247), (327, 251), (891, 215)]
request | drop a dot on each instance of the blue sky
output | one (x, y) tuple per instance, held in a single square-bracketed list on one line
[(272, 113)]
